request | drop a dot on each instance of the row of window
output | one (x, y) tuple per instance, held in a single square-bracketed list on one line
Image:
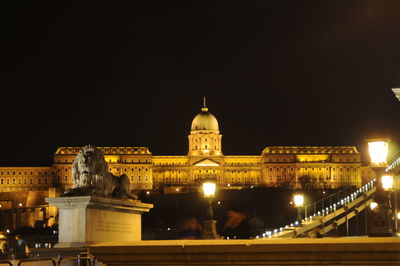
[(171, 180), (20, 181), (171, 163), (292, 160), (109, 161), (111, 169), (205, 140), (25, 173), (284, 178), (312, 169), (66, 179)]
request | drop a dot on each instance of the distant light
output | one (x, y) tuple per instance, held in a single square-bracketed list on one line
[(177, 189), (373, 205), (323, 192), (398, 216), (1, 205), (8, 231), (218, 202), (148, 192), (168, 228), (229, 185), (20, 204)]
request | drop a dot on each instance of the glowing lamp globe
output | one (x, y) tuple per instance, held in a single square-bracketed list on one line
[(387, 182), (209, 189), (298, 200), (378, 150)]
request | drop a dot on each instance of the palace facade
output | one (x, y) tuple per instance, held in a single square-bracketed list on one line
[(287, 166)]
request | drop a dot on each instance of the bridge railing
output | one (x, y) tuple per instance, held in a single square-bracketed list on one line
[(329, 216), (346, 194)]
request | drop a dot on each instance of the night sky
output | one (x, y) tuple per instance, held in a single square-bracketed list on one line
[(134, 74)]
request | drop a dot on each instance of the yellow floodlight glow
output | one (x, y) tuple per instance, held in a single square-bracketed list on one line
[(298, 200), (378, 150), (209, 189), (387, 182), (373, 205)]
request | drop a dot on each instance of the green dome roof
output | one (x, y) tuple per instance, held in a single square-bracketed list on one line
[(205, 121)]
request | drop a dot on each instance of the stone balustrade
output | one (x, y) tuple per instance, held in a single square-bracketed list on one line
[(296, 251)]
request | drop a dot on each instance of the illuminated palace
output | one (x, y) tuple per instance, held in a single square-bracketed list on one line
[(286, 166)]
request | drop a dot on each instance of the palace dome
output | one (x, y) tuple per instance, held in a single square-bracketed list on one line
[(205, 121)]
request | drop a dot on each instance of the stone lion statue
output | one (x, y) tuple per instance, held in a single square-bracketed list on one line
[(90, 176)]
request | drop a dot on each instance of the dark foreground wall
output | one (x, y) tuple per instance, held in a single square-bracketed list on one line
[(306, 251)]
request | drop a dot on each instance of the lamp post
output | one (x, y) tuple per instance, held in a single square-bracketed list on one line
[(209, 193), (381, 214), (298, 203), (209, 225)]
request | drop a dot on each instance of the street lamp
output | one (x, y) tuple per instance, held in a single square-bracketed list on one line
[(209, 188), (378, 150), (380, 216), (373, 205), (298, 203), (209, 225), (387, 182)]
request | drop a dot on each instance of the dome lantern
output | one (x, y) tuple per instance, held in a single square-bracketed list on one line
[(205, 120)]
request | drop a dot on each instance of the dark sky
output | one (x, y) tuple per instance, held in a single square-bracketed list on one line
[(134, 74)]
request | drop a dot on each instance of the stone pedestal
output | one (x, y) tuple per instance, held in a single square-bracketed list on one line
[(210, 230), (86, 220), (380, 224)]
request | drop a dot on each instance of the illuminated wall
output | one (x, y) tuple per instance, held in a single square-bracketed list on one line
[(325, 167), (18, 179)]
